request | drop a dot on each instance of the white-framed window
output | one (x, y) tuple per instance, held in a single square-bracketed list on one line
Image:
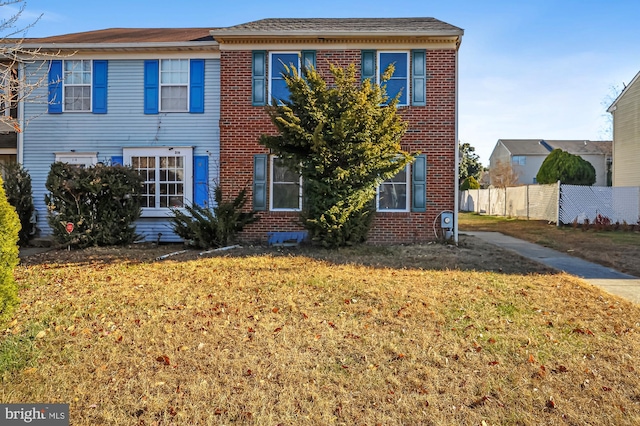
[(285, 187), (393, 194), (519, 160), (79, 159), (174, 85), (278, 61), (77, 85), (399, 81), (168, 177)]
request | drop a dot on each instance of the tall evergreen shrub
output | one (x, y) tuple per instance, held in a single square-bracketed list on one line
[(17, 186), (9, 229)]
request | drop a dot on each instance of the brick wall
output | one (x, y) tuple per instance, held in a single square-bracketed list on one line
[(431, 131)]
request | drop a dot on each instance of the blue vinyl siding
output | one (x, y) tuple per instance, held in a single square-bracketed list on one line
[(124, 125)]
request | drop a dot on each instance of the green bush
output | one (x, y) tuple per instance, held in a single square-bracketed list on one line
[(102, 202), (567, 168), (469, 183), (213, 227), (17, 186), (9, 229)]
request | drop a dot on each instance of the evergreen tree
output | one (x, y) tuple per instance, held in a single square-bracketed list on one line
[(567, 168), (469, 163), (344, 140), (9, 227), (17, 186)]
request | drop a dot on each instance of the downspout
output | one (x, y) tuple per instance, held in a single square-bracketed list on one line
[(20, 135), (456, 200)]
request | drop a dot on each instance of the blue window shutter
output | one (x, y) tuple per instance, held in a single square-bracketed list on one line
[(151, 82), (100, 72), (308, 58), (260, 182), (200, 180), (55, 87), (419, 77), (368, 65), (259, 78), (196, 86), (117, 160), (419, 184)]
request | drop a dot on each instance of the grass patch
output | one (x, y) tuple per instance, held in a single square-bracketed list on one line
[(322, 337), (616, 249), (18, 349)]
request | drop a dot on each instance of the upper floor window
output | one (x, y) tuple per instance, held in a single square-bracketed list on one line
[(393, 194), (77, 85), (268, 85), (519, 160), (278, 64), (174, 85), (399, 82)]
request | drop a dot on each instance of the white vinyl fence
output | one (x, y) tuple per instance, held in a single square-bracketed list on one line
[(561, 204)]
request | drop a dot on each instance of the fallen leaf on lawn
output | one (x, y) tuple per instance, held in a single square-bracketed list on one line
[(41, 334), (275, 310), (200, 346), (277, 330), (163, 359), (532, 360)]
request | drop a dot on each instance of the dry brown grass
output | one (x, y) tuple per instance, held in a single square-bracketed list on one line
[(363, 336), (616, 249)]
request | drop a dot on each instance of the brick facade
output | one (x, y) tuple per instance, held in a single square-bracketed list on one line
[(432, 131)]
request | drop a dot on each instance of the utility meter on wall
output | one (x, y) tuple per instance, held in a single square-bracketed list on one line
[(446, 223)]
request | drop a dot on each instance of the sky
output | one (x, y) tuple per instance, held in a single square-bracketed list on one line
[(534, 69)]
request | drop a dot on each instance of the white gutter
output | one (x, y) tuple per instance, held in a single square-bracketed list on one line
[(456, 200)]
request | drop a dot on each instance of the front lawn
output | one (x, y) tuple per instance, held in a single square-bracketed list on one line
[(616, 249), (360, 336)]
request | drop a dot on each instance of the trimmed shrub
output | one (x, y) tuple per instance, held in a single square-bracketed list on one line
[(102, 203), (9, 229), (567, 168), (17, 186), (213, 227), (469, 183)]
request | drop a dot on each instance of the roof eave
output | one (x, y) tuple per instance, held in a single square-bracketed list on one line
[(195, 45), (222, 36)]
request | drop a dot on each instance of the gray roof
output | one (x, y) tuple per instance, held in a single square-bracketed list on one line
[(576, 147), (341, 26)]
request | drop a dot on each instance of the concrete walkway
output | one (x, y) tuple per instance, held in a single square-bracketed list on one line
[(610, 280)]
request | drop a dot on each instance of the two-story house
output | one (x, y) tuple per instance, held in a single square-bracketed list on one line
[(149, 98), (527, 155), (186, 108), (625, 111), (425, 54)]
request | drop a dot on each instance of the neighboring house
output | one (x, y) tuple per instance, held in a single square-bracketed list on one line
[(425, 53), (626, 135), (9, 110), (186, 107), (149, 98), (527, 155)]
